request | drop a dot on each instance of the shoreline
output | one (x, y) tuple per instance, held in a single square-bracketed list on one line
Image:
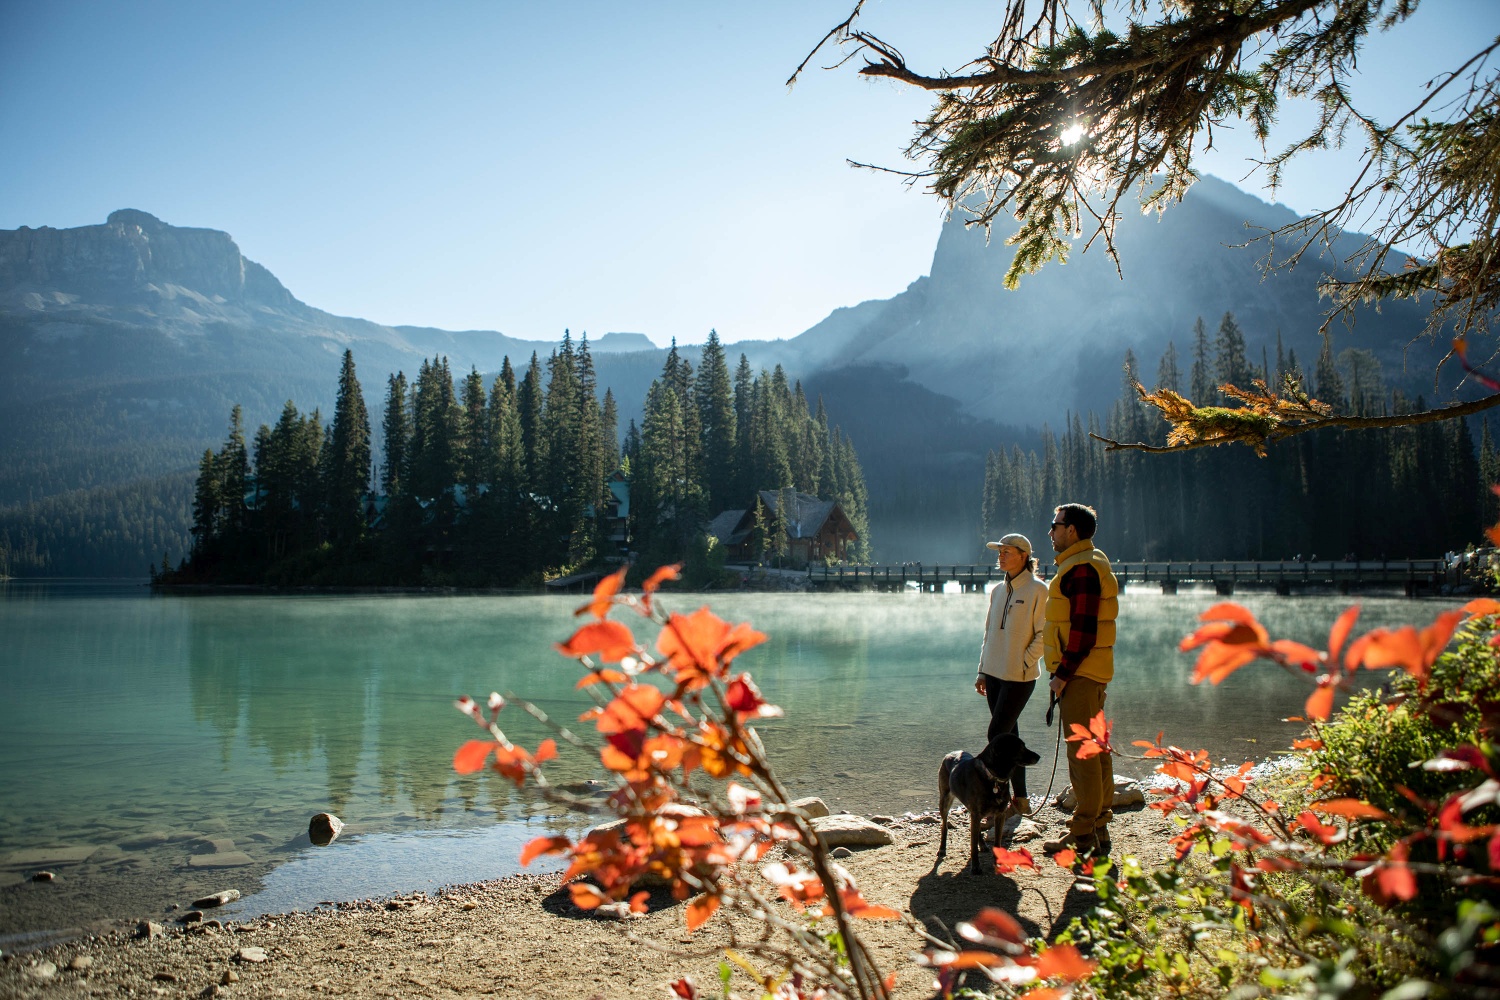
[(520, 936)]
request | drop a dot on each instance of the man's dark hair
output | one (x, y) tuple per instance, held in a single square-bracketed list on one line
[(1080, 516)]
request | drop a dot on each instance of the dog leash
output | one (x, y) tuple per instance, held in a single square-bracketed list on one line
[(1056, 753)]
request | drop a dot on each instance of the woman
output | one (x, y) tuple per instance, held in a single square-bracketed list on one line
[(1009, 660)]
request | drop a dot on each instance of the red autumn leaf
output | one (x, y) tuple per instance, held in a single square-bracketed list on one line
[(1220, 659), (1350, 809), (612, 642), (544, 845), (604, 594), (996, 923), (585, 896), (631, 709), (638, 901), (471, 756), (683, 987), (1276, 864), (1229, 611), (972, 960), (600, 677), (1320, 703), (700, 910), (1307, 744), (1326, 835), (1065, 962), (655, 580), (856, 906), (1482, 606), (744, 698), (1296, 654), (1339, 634), (1065, 858), (545, 751), (1390, 879), (1008, 861)]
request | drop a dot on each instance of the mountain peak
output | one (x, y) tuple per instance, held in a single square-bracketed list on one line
[(134, 217)]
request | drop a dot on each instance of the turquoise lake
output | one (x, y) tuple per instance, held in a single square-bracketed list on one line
[(145, 739)]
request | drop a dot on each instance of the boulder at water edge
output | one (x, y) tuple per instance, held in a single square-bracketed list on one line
[(1127, 793), (324, 828), (850, 831)]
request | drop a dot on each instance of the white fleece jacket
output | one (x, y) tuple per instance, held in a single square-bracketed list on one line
[(1012, 649)]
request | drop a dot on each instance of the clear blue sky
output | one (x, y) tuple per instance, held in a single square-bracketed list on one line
[(527, 167)]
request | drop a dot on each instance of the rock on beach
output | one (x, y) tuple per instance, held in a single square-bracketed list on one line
[(845, 830)]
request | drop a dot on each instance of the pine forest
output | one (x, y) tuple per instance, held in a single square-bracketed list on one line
[(1409, 492), (526, 479)]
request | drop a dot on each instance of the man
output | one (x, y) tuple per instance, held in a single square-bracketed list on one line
[(1082, 604)]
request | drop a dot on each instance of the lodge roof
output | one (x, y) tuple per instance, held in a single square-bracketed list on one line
[(807, 516)]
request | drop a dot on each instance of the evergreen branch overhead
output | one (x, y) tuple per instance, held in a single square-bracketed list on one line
[(1068, 113), (1266, 418)]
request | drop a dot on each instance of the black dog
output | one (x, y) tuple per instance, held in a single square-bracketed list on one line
[(982, 784)]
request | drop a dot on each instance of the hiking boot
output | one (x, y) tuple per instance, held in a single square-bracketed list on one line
[(1104, 845), (1084, 845)]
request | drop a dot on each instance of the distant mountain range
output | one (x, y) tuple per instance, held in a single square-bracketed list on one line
[(123, 346)]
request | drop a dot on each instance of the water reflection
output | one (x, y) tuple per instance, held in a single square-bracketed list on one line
[(146, 727)]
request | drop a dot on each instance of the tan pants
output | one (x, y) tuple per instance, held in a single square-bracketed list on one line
[(1093, 779)]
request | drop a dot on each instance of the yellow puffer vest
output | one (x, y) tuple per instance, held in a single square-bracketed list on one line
[(1099, 664)]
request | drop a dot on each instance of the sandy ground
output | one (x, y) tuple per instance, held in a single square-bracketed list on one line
[(522, 937)]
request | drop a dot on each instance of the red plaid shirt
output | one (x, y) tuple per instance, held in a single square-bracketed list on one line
[(1081, 587)]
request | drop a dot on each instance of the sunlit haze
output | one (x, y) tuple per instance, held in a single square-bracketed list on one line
[(531, 167)]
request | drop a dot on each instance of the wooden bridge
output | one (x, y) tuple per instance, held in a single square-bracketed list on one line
[(1411, 576)]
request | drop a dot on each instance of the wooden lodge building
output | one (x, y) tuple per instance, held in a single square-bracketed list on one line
[(816, 530)]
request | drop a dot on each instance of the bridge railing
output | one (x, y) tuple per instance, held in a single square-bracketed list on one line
[(1225, 574)]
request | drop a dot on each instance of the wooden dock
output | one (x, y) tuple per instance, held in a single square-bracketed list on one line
[(1410, 576)]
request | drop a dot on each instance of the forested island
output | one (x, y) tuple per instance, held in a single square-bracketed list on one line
[(527, 480)]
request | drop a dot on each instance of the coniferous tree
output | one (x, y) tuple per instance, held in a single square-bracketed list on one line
[(1230, 363), (529, 397), (347, 459), (1201, 379), (1167, 374), (396, 430), (473, 447), (609, 432), (716, 421)]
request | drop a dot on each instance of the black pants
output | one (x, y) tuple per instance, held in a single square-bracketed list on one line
[(1006, 699)]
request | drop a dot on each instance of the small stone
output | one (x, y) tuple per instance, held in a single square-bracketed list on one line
[(165, 977), (41, 970), (883, 820), (471, 905), (842, 852), (229, 976), (219, 898), (211, 990), (43, 877), (1025, 832), (850, 831), (252, 954), (81, 963), (149, 929), (191, 917), (812, 806), (173, 906), (324, 828)]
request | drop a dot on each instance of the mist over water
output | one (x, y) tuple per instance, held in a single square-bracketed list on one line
[(145, 738)]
